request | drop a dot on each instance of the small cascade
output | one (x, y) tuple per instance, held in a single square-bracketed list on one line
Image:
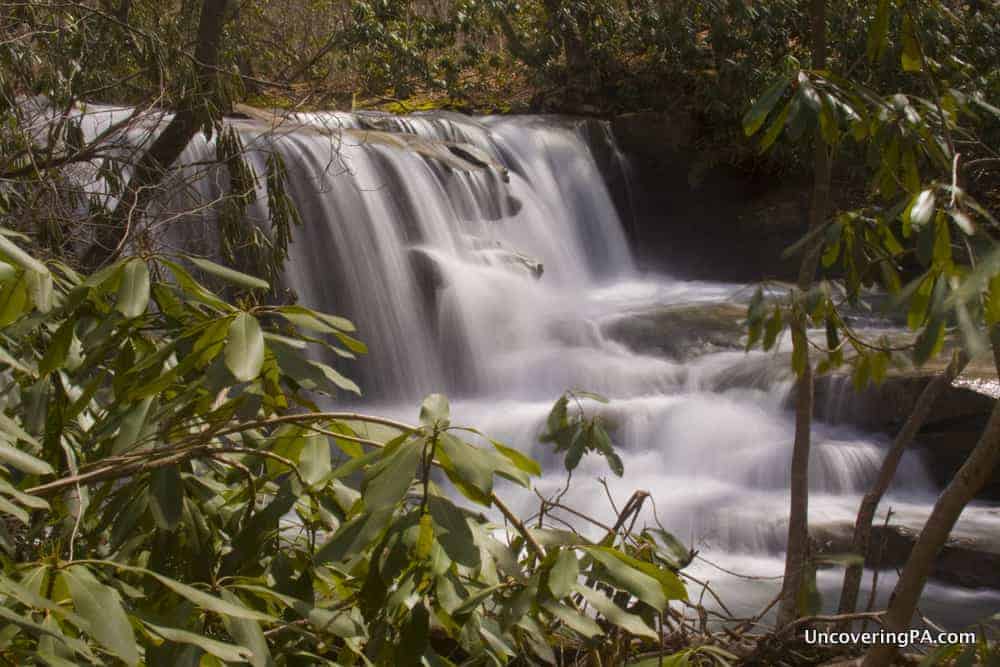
[(480, 257)]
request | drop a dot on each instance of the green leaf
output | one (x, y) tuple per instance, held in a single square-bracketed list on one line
[(13, 301), (581, 393), (414, 637), (30, 598), (930, 341), (564, 574), (12, 252), (425, 537), (878, 33), (102, 608), (670, 584), (15, 433), (942, 242), (829, 124), (9, 508), (466, 467), (474, 601), (557, 415), (677, 555), (335, 321), (229, 275), (202, 599), (7, 358), (755, 117), (777, 125), (41, 630), (335, 377), (355, 535), (26, 499), (551, 537), (615, 614), (774, 326), (221, 650), (314, 459), (7, 272), (920, 302), (624, 575), (582, 625), (131, 428), (577, 447), (166, 496), (245, 348), (434, 410), (921, 209), (23, 461), (522, 462), (389, 480), (679, 659), (453, 532), (195, 290), (133, 290), (40, 289), (314, 320), (963, 221), (58, 348), (911, 58)]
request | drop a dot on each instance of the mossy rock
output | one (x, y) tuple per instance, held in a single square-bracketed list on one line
[(680, 331)]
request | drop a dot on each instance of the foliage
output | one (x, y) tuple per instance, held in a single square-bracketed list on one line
[(167, 497), (921, 236), (920, 225), (576, 434)]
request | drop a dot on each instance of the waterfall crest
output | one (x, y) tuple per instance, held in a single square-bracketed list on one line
[(482, 257)]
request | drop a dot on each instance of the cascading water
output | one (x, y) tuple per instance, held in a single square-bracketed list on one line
[(429, 245)]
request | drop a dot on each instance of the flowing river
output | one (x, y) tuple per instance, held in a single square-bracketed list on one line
[(427, 231)]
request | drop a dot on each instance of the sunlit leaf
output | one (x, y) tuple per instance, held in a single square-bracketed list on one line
[(101, 606), (755, 117), (229, 275), (564, 574), (245, 348), (133, 290)]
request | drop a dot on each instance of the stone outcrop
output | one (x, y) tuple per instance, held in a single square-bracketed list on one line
[(965, 560), (949, 434), (680, 331)]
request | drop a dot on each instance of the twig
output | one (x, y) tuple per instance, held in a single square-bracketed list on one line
[(875, 566)]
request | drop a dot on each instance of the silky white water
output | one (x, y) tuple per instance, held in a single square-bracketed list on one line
[(426, 258)]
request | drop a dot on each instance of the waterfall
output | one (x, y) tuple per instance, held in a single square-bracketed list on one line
[(428, 231), (432, 262)]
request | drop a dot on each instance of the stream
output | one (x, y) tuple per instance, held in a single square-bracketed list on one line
[(428, 231)]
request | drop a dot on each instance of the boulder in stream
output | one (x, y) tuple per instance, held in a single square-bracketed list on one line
[(680, 331), (972, 561), (947, 437)]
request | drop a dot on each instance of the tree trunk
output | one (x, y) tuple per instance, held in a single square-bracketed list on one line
[(581, 77), (967, 482), (964, 486), (798, 515), (170, 143), (863, 524)]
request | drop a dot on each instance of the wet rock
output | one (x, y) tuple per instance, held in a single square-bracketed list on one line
[(966, 560), (886, 406), (947, 437), (653, 133), (680, 331)]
